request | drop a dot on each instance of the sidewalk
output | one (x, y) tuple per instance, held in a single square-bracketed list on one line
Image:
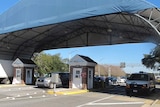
[(70, 91)]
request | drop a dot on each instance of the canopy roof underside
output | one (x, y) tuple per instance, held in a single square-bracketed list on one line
[(102, 29)]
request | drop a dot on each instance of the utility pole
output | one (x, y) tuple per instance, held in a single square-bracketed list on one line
[(109, 71), (69, 55), (99, 68)]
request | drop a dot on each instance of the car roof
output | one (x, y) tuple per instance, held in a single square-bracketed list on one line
[(141, 72)]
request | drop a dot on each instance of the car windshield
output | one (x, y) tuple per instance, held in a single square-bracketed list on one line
[(48, 75), (123, 77), (139, 77)]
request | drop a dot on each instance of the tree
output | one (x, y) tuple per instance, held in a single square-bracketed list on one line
[(50, 63), (151, 59)]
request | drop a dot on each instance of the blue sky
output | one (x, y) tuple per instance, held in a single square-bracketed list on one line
[(110, 54)]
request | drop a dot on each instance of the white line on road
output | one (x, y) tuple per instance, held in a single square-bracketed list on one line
[(120, 103), (102, 99), (154, 102), (23, 98), (96, 101)]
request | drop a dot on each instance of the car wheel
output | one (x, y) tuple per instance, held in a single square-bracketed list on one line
[(128, 92), (154, 89), (51, 85), (148, 92)]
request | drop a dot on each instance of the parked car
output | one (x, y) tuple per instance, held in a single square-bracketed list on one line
[(61, 79), (121, 80), (112, 80), (158, 79), (99, 82), (140, 83)]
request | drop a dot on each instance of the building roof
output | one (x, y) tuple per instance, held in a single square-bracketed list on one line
[(52, 24), (23, 63), (27, 61), (80, 60), (87, 59)]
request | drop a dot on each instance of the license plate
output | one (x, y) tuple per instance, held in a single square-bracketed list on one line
[(135, 91), (135, 85)]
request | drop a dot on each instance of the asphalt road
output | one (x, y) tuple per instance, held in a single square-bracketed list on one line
[(29, 96)]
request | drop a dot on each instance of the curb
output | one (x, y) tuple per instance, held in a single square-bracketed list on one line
[(68, 92), (5, 86)]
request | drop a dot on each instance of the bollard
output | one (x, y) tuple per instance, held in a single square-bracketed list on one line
[(54, 90)]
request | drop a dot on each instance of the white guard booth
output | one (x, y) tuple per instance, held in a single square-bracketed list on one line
[(23, 71), (82, 70)]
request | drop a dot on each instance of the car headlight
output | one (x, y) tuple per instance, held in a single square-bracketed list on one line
[(46, 80), (144, 86)]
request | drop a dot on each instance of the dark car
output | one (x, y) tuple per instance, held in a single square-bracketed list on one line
[(99, 82), (113, 80)]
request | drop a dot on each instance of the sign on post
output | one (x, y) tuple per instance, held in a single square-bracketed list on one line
[(122, 65)]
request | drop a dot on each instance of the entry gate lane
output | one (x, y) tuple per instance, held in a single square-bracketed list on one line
[(110, 98), (90, 99)]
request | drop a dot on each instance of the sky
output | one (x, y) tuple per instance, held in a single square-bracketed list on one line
[(131, 54)]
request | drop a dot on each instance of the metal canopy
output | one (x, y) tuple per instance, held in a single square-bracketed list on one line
[(102, 29)]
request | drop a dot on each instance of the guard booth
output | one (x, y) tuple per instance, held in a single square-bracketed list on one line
[(82, 70), (23, 71)]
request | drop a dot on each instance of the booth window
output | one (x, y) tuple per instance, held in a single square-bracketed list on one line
[(90, 74), (77, 74)]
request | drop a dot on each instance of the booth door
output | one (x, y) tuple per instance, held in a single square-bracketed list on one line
[(90, 78), (18, 75), (77, 79), (28, 76)]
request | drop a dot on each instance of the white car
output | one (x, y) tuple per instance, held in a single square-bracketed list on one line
[(121, 80), (58, 78)]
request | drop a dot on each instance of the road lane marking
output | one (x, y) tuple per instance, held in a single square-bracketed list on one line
[(30, 97), (22, 98), (120, 103), (102, 99), (154, 102), (43, 95), (96, 101)]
